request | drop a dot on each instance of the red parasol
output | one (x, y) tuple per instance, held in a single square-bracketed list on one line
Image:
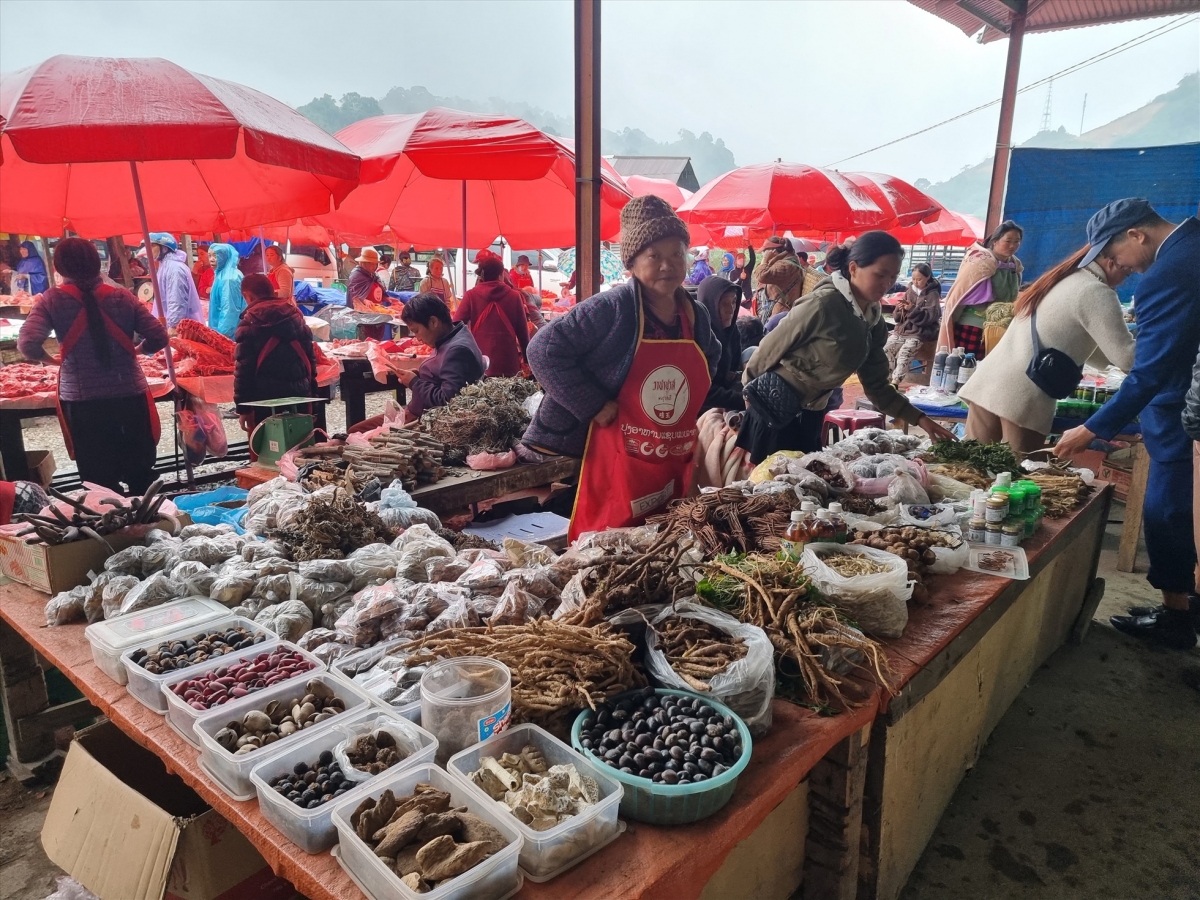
[(904, 204), (950, 228), (444, 177), (643, 185), (776, 197), (211, 155)]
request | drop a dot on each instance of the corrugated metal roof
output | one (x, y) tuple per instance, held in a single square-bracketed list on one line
[(994, 16), (674, 168)]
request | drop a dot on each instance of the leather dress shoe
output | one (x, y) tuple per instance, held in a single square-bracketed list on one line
[(1193, 610), (1171, 628)]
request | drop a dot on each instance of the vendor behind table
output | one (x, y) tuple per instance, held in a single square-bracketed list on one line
[(364, 289), (456, 360)]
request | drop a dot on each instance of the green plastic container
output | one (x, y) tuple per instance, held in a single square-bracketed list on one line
[(671, 804)]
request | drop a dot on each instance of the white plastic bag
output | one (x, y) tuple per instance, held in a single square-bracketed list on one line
[(403, 732), (371, 564), (877, 603), (833, 471), (905, 488), (290, 619), (747, 686)]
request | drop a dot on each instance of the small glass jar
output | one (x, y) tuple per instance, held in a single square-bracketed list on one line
[(994, 534), (977, 531), (1012, 533), (997, 507)]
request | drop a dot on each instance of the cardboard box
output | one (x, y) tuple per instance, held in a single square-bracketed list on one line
[(126, 829), (1119, 475), (59, 568), (41, 466)]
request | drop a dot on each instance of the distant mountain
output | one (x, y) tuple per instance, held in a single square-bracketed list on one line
[(1171, 118), (710, 156)]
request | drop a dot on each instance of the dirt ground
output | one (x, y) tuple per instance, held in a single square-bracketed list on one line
[(1086, 789)]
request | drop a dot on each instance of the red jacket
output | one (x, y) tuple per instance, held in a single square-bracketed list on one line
[(495, 313), (521, 282)]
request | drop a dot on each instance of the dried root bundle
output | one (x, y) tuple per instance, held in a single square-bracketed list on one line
[(697, 650), (333, 528), (728, 520)]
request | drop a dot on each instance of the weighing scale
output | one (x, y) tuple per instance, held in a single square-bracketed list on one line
[(285, 429)]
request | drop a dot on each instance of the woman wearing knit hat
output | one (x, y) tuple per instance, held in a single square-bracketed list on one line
[(624, 374)]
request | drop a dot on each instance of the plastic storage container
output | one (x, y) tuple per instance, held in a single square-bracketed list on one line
[(370, 680), (148, 688), (112, 637), (181, 717), (231, 772), (312, 829), (547, 854), (495, 878), (672, 804), (464, 701)]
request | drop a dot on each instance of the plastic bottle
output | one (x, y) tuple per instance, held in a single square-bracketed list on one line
[(939, 367), (978, 504), (792, 544), (967, 369), (950, 376), (1016, 499), (823, 530), (841, 530), (1004, 480)]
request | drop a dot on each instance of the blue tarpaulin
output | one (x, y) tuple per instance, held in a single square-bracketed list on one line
[(1053, 193)]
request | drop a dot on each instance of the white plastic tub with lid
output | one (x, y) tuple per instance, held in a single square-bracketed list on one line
[(465, 700), (231, 771), (147, 687), (182, 717), (112, 637), (547, 854), (496, 878), (312, 829)]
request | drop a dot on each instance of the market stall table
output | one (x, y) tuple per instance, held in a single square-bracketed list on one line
[(772, 795), (357, 380)]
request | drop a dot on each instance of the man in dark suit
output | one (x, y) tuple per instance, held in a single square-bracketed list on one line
[(1133, 235)]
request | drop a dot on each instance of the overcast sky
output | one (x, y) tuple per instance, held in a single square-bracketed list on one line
[(807, 80)]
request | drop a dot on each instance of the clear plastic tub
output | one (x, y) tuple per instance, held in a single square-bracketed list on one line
[(112, 637), (181, 717), (231, 772), (371, 680), (148, 688), (547, 854), (464, 701), (312, 829), (495, 878)]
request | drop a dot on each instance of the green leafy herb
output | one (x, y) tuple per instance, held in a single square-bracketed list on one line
[(987, 459)]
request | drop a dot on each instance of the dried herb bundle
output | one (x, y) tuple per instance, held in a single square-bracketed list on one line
[(620, 581), (333, 528), (728, 520), (697, 650), (557, 669), (810, 638), (485, 417), (1062, 490), (986, 459)]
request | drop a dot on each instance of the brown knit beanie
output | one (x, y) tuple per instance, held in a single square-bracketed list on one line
[(645, 220)]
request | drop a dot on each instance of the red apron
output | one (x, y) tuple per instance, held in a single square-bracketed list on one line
[(124, 341), (643, 460)]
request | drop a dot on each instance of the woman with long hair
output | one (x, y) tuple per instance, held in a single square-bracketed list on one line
[(829, 335), (1077, 312), (990, 273), (108, 417), (225, 300), (434, 283)]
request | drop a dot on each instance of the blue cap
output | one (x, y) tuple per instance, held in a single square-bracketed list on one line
[(163, 239), (1118, 216)]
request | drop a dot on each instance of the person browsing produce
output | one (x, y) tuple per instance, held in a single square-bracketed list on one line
[(990, 273), (1078, 313), (625, 373), (180, 299), (456, 360), (918, 316), (108, 418), (1133, 235), (495, 313), (833, 333), (364, 289), (274, 357)]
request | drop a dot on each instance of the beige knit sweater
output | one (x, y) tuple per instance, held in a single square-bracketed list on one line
[(1082, 317)]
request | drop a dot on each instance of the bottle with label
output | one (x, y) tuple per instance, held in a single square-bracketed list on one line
[(823, 530), (841, 530), (977, 531), (950, 377), (792, 544), (1016, 499), (997, 506), (979, 504), (939, 367), (1004, 480), (1012, 533), (967, 369)]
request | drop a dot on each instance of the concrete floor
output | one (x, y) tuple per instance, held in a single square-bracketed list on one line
[(1088, 788)]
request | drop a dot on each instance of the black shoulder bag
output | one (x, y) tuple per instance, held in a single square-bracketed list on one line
[(1052, 370)]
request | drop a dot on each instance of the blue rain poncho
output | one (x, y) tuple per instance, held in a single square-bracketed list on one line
[(225, 302)]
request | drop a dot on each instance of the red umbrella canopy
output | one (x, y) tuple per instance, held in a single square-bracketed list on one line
[(520, 182), (643, 185), (900, 200), (951, 228), (775, 197), (212, 155)]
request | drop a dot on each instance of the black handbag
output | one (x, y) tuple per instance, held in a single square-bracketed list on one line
[(771, 397), (1052, 370)]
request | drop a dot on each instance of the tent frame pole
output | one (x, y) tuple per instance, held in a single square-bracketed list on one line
[(587, 147), (1008, 103), (158, 303)]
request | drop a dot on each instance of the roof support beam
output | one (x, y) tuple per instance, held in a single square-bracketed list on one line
[(1008, 103)]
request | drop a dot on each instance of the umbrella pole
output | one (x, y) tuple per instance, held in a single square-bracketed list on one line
[(464, 253), (141, 205), (262, 249)]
